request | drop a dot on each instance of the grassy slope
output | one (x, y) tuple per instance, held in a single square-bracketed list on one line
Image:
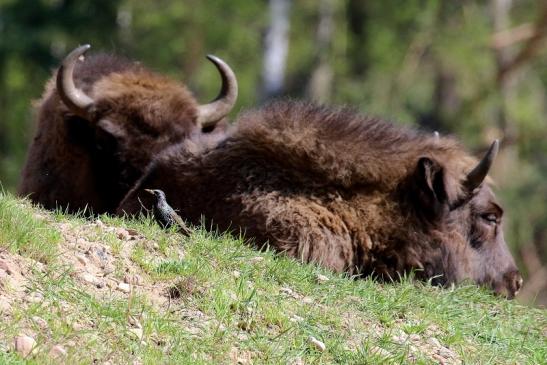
[(231, 303)]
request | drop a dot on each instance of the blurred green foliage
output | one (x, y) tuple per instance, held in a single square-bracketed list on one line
[(425, 62)]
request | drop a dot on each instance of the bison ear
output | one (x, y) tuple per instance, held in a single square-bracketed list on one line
[(431, 186)]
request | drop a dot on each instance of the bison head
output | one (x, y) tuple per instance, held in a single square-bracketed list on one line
[(464, 221), (137, 114)]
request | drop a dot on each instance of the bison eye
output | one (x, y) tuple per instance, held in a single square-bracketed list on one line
[(491, 218)]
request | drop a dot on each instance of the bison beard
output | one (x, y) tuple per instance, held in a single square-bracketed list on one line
[(351, 193), (100, 123)]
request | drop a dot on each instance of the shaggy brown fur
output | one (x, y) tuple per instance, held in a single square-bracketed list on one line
[(75, 163), (354, 194)]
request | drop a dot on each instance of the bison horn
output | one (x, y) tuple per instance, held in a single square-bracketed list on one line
[(73, 97), (436, 136), (211, 113), (477, 175)]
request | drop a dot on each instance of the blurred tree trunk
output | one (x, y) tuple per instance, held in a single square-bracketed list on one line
[(320, 85), (357, 15), (500, 17), (276, 46)]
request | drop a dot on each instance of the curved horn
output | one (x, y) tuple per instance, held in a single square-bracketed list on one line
[(211, 113), (73, 97), (477, 175)]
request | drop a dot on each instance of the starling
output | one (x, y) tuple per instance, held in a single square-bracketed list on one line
[(164, 214)]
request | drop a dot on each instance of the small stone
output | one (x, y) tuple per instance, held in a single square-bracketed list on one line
[(414, 337), (440, 360), (24, 345), (82, 259), (256, 259), (296, 318), (138, 332), (319, 346), (5, 306), (35, 298), (307, 300), (287, 291), (124, 287), (81, 243), (236, 274), (434, 342), (444, 352), (321, 278), (7, 267), (134, 322), (40, 322), (38, 266), (88, 278), (57, 352)]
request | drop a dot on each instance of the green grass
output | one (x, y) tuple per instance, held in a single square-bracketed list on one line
[(227, 301), (21, 231)]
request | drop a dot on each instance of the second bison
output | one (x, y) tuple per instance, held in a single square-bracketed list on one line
[(101, 121)]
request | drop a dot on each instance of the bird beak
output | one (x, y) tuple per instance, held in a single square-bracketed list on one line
[(149, 191)]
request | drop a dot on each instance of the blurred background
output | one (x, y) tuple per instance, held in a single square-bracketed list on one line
[(475, 69)]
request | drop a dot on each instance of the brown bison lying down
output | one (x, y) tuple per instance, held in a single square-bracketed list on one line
[(351, 193), (101, 121)]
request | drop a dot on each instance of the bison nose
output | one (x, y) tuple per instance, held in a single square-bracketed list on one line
[(513, 283)]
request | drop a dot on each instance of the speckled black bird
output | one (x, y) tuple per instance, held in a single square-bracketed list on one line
[(164, 214)]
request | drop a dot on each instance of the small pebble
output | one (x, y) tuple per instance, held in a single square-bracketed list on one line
[(40, 322), (236, 274), (5, 307), (256, 259), (321, 278), (88, 278), (296, 318), (57, 352), (134, 322), (414, 337), (444, 352), (287, 291), (6, 266), (434, 342), (24, 345), (81, 243), (319, 346), (137, 332), (124, 287), (35, 298), (81, 258)]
